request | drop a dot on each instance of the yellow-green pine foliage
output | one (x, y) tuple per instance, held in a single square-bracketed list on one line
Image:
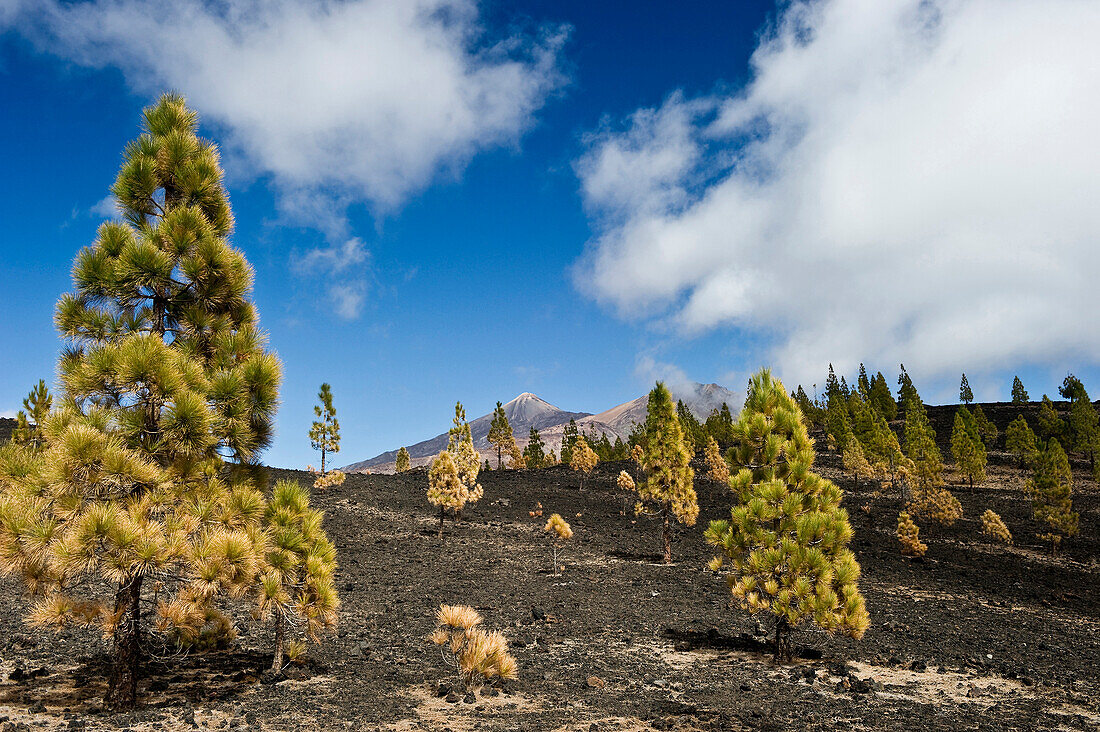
[(583, 458), (1083, 422), (1048, 423), (908, 534), (500, 435), (37, 405), (560, 532), (718, 469), (786, 543), (987, 431), (467, 460), (1019, 393), (994, 528), (144, 505), (1051, 488), (533, 454), (921, 448), (296, 587), (967, 447), (324, 433), (403, 461), (471, 651), (881, 399), (669, 481), (855, 462), (1020, 441)]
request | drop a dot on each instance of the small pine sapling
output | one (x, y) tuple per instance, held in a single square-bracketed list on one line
[(327, 480), (583, 458), (626, 484), (855, 461), (994, 528), (786, 541), (1048, 424), (967, 447), (718, 470), (29, 423), (472, 652), (987, 431), (966, 396), (1019, 393), (908, 534), (447, 488), (1051, 488), (296, 581), (560, 532), (403, 462)]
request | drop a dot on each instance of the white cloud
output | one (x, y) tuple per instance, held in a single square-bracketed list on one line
[(105, 208), (908, 181), (342, 269), (649, 370), (8, 414), (336, 101)]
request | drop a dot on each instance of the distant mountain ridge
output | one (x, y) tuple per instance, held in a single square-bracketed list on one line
[(528, 410)]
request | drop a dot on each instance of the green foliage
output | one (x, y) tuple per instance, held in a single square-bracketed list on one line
[(881, 399), (921, 448), (967, 448), (1019, 393), (568, 438), (403, 462), (1082, 423), (296, 587), (1072, 389), (787, 537), (29, 420), (324, 433), (168, 397), (863, 384), (693, 430), (719, 425), (500, 434), (907, 393), (813, 414), (1051, 488), (669, 479), (1048, 424), (534, 453), (1020, 441), (966, 396), (987, 431)]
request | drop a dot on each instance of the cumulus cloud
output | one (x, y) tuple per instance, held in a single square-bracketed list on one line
[(907, 181), (649, 370), (335, 101), (343, 269)]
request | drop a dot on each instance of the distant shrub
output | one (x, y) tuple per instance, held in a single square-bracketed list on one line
[(936, 504), (560, 532), (472, 652), (403, 461), (625, 482), (994, 528), (908, 534), (447, 488), (329, 479), (583, 458), (1020, 441), (718, 469)]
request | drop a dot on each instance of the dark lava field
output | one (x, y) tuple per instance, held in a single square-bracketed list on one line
[(972, 636)]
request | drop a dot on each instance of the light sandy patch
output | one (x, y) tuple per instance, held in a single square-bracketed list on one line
[(620, 724), (436, 713)]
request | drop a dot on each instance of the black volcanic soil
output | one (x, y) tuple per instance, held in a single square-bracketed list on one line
[(974, 636)]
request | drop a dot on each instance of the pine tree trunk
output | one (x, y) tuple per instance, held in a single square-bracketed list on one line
[(322, 461), (783, 651), (277, 660), (668, 538), (441, 523), (499, 458), (126, 660)]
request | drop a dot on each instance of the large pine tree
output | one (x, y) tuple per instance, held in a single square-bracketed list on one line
[(787, 537), (148, 484)]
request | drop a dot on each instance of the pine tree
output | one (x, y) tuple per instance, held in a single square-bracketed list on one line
[(717, 468), (881, 399), (908, 534), (719, 425), (692, 429), (533, 453), (296, 583), (1072, 389), (560, 532), (966, 396), (449, 486), (167, 399), (966, 447), (1051, 488), (500, 434), (1019, 393), (921, 448), (863, 384), (568, 437), (37, 405), (583, 458), (403, 461), (1083, 424), (669, 479), (1020, 441), (809, 410), (324, 434), (787, 537), (987, 431), (907, 393), (994, 528), (1048, 424), (855, 461)]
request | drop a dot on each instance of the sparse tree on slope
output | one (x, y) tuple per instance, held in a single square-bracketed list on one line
[(907, 393), (29, 420), (966, 396), (921, 448), (568, 437), (1051, 488), (669, 479), (403, 461), (1020, 441), (908, 534), (324, 433), (994, 528), (881, 399), (786, 540), (1019, 393), (718, 469), (296, 583), (500, 434), (583, 458), (147, 487), (1048, 424), (966, 448), (533, 453)]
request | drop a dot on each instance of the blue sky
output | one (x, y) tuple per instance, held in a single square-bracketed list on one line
[(574, 198)]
